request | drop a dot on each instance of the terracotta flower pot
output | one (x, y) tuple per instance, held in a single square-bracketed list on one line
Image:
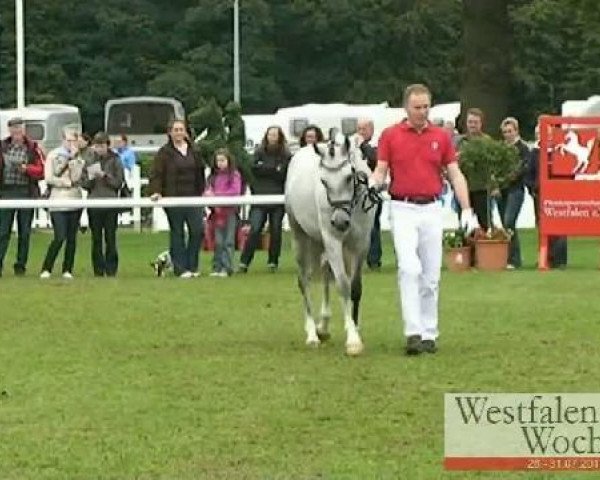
[(458, 259), (491, 254)]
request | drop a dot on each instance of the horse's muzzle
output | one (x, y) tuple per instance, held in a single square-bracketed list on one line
[(340, 220)]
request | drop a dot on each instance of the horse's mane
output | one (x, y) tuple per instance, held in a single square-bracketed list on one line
[(328, 158)]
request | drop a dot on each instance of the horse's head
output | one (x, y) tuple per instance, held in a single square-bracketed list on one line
[(338, 177)]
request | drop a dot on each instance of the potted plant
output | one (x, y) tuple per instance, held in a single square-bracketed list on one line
[(489, 165), (457, 251), (491, 248)]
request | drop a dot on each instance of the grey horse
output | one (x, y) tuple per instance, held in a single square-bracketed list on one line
[(330, 212)]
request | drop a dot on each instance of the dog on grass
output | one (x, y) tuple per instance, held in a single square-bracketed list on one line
[(162, 264)]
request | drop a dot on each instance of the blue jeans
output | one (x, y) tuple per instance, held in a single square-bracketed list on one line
[(374, 255), (258, 217), (185, 258), (224, 245), (65, 225), (509, 208)]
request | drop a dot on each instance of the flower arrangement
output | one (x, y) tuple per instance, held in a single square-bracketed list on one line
[(492, 234), (454, 238)]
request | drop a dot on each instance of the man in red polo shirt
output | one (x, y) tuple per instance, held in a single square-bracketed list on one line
[(416, 153)]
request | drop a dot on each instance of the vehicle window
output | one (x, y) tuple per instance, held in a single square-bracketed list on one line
[(35, 131)]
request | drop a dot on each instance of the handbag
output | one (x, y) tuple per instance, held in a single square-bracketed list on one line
[(125, 191)]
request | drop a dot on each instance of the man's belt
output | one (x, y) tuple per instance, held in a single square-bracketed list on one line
[(416, 199)]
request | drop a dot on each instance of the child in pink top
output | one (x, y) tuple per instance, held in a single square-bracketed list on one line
[(224, 180)]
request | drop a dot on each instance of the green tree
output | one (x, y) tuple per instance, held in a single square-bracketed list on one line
[(487, 48)]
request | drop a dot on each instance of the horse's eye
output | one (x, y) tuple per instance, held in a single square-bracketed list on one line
[(324, 182)]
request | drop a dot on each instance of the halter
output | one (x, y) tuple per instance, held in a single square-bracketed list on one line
[(370, 198)]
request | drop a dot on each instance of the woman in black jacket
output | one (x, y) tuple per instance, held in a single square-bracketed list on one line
[(269, 170), (104, 179), (178, 171)]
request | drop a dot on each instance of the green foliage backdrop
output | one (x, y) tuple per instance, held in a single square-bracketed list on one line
[(297, 51)]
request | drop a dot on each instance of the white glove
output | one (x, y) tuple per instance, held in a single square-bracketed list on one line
[(468, 220), (375, 186)]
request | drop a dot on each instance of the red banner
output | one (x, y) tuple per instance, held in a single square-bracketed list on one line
[(569, 179), (581, 464)]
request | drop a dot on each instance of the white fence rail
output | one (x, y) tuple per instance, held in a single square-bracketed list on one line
[(159, 221)]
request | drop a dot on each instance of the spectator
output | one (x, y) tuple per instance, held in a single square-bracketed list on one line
[(511, 197), (224, 180), (103, 180), (127, 156), (21, 166), (269, 170), (478, 198), (449, 126), (64, 173), (178, 171), (557, 245), (85, 149), (364, 136), (311, 135)]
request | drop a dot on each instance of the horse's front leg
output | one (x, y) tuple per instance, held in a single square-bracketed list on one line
[(354, 345), (356, 288), (323, 326), (304, 273)]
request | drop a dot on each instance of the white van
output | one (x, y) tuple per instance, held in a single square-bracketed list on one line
[(44, 123), (143, 119)]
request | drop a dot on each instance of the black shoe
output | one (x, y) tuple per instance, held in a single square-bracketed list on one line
[(19, 271), (243, 268), (429, 346), (414, 346)]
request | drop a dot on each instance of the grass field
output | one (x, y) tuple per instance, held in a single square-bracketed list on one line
[(139, 377)]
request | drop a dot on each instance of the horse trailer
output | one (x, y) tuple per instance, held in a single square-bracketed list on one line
[(143, 119), (44, 123)]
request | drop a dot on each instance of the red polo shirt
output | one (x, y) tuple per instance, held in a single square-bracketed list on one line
[(415, 159)]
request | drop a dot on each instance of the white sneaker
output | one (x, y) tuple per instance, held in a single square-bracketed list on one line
[(215, 274), (45, 275), (67, 276), (186, 275), (195, 274), (223, 274)]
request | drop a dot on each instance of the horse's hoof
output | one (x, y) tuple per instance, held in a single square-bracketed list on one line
[(324, 335), (354, 349), (313, 343)]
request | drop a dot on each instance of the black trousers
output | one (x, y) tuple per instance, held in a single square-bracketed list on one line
[(258, 217), (480, 205), (103, 225)]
